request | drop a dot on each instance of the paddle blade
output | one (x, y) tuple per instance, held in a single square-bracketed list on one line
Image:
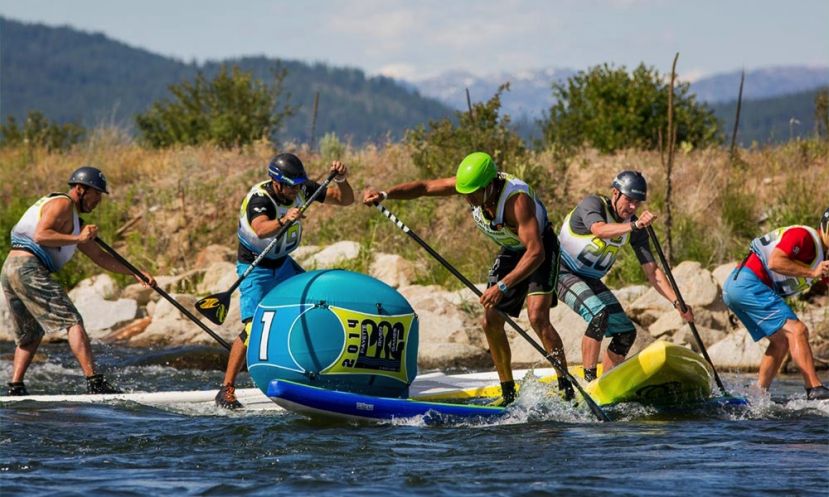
[(214, 307)]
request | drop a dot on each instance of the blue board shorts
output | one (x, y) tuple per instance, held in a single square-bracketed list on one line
[(260, 281), (757, 306)]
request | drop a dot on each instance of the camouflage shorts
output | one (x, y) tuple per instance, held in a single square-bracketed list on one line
[(37, 302)]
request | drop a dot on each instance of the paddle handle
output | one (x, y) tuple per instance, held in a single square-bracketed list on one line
[(555, 362), (683, 307), (134, 270)]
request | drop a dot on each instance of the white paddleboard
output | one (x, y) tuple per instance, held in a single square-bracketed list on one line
[(435, 385), (252, 398)]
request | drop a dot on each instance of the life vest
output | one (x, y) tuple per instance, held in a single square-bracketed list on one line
[(23, 235), (784, 285), (247, 236), (496, 228), (589, 255)]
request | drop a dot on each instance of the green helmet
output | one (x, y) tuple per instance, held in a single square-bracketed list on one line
[(475, 172)]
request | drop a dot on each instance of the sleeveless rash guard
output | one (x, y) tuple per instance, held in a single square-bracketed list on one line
[(23, 234), (587, 254), (247, 236), (497, 228)]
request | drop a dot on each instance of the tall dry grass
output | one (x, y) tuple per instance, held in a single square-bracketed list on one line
[(183, 199)]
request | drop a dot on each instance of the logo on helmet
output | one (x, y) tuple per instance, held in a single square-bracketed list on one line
[(287, 169), (631, 184)]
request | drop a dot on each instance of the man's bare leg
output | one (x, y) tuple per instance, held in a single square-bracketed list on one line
[(797, 335), (498, 344), (23, 356), (772, 359), (79, 343)]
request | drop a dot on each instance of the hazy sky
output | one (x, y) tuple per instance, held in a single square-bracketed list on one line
[(417, 39)]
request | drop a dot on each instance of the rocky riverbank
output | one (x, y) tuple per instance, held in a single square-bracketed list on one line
[(450, 333)]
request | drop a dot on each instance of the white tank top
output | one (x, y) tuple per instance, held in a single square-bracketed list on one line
[(248, 237), (496, 228), (23, 235), (589, 255), (785, 285)]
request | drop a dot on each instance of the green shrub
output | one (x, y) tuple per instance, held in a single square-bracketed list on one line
[(693, 241), (331, 148), (439, 150), (231, 110), (738, 212), (796, 203), (39, 131), (610, 110)]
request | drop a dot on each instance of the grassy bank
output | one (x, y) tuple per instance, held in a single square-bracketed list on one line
[(168, 204)]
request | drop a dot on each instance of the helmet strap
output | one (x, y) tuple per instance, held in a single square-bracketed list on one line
[(489, 191), (615, 202), (279, 195), (81, 196)]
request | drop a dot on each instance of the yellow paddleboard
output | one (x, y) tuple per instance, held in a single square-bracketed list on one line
[(661, 374)]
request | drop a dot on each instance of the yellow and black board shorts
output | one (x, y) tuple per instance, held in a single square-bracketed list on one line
[(542, 281)]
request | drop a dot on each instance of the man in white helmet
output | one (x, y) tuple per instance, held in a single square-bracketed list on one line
[(781, 264)]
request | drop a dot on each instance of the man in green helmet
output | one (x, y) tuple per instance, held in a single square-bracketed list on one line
[(507, 210)]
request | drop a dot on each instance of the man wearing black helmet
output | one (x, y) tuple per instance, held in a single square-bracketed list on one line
[(781, 264), (591, 237), (43, 241), (267, 207)]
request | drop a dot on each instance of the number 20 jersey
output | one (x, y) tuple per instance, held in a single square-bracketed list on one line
[(587, 255)]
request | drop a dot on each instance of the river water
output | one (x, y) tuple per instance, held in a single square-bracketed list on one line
[(778, 446)]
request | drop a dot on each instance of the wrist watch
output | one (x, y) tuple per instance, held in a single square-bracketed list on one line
[(502, 286)]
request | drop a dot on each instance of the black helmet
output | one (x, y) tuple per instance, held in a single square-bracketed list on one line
[(632, 184), (824, 222), (288, 169), (89, 176)]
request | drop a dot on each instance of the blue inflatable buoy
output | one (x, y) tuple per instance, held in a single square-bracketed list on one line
[(338, 330)]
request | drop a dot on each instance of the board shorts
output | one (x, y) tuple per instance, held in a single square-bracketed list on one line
[(541, 282), (589, 297), (756, 305), (260, 281), (38, 304)]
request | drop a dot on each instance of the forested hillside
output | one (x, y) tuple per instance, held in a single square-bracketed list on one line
[(75, 76), (770, 120), (71, 75)]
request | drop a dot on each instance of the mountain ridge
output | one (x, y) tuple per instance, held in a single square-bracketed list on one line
[(530, 92), (93, 79)]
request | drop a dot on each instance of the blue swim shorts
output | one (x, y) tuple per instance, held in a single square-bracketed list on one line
[(260, 281), (761, 311)]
